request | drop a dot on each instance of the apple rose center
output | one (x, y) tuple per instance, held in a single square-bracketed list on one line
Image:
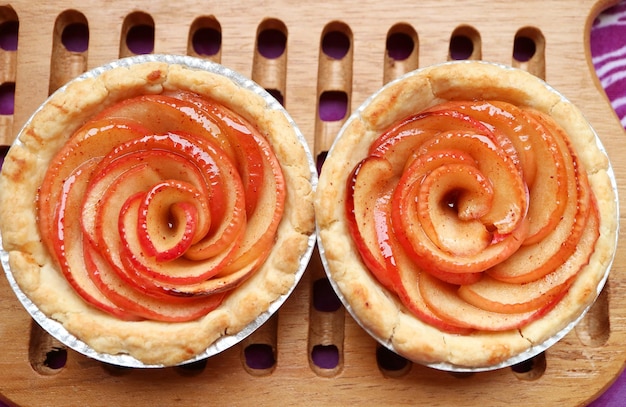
[(472, 211)]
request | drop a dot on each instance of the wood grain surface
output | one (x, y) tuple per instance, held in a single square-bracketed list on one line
[(573, 372)]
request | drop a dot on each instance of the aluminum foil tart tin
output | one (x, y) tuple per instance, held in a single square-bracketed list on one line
[(58, 331), (533, 350)]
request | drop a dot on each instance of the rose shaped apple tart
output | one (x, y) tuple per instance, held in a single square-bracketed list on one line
[(467, 215), (162, 203)]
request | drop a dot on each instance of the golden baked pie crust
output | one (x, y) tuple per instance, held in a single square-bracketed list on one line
[(152, 343), (378, 310)]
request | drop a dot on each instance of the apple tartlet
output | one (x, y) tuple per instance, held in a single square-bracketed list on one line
[(467, 215), (155, 207)]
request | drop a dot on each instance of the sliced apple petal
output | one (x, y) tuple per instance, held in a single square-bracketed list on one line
[(136, 179), (214, 285), (548, 193), (270, 199), (442, 298), (392, 265), (167, 165), (245, 140), (69, 249), (509, 122), (498, 296), (163, 114), (171, 309), (369, 181), (404, 274), (95, 139), (503, 120), (540, 159), (180, 270), (133, 180), (531, 262), (399, 144), (146, 280), (130, 254)]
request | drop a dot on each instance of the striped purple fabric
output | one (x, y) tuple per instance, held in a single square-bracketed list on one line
[(608, 50)]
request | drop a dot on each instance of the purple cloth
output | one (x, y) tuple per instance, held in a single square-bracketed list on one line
[(608, 50)]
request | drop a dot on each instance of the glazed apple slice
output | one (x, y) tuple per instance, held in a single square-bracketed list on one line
[(115, 247), (548, 192), (533, 145), (68, 248), (108, 170), (543, 165), (246, 141), (399, 144), (225, 188), (162, 114), (118, 259), (142, 177), (411, 297), (400, 262), (263, 221), (403, 273), (95, 139), (497, 296), (503, 121), (242, 247), (119, 249), (171, 309), (534, 261), (248, 251), (156, 288), (368, 213), (124, 184), (442, 298), (368, 181)]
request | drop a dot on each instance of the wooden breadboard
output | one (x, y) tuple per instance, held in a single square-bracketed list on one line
[(573, 372)]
